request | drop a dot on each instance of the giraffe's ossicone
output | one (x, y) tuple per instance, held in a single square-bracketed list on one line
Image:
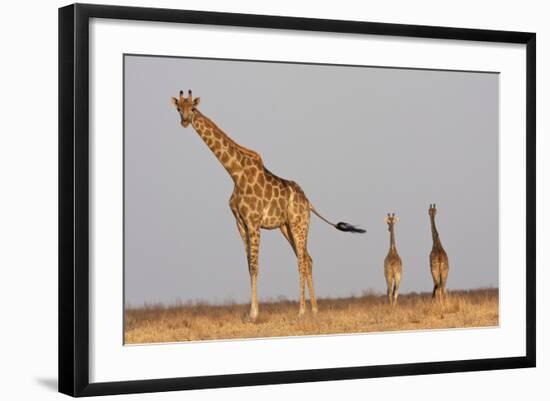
[(260, 199)]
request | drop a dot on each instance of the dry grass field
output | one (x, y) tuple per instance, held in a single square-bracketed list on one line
[(368, 313)]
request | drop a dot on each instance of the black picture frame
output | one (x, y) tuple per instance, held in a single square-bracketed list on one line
[(74, 198)]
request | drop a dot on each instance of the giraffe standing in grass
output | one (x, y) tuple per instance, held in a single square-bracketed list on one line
[(260, 199), (393, 267), (439, 263)]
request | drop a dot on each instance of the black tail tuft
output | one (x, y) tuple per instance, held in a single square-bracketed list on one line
[(349, 228)]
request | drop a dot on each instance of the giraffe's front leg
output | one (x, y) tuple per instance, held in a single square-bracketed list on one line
[(243, 231), (254, 246)]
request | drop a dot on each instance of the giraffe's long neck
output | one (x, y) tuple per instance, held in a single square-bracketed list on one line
[(435, 234), (392, 240), (231, 155)]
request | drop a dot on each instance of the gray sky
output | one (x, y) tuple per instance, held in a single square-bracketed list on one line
[(360, 141)]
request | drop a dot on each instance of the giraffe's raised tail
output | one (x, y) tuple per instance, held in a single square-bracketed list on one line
[(339, 226), (349, 228)]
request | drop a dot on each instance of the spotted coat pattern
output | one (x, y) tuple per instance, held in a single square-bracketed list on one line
[(393, 267), (439, 262), (260, 199)]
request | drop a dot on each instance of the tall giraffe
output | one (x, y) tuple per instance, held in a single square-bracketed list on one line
[(260, 199), (393, 267), (439, 262)]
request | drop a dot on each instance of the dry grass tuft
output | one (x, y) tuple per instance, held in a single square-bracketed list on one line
[(367, 313)]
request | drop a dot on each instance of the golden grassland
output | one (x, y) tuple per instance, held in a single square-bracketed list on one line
[(368, 313)]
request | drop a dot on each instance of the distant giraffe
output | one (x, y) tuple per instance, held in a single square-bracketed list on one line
[(260, 199), (439, 263), (393, 267)]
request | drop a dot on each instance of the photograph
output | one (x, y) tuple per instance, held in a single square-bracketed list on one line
[(269, 198), (278, 199)]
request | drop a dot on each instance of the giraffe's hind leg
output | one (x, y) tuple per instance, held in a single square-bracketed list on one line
[(285, 229), (286, 232), (435, 292), (312, 298), (396, 282), (298, 229), (309, 270), (390, 284), (443, 282), (436, 280)]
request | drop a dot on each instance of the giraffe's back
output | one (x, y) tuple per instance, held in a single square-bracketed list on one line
[(283, 201), (438, 257), (393, 266)]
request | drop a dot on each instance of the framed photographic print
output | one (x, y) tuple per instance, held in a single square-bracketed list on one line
[(250, 199)]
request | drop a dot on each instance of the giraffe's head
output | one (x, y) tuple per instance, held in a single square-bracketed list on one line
[(186, 107), (390, 220), (432, 210)]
